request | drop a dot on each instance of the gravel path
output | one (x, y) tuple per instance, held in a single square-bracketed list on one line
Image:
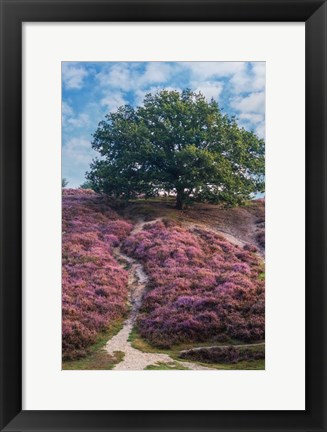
[(137, 281)]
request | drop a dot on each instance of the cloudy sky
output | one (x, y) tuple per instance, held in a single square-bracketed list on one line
[(91, 90)]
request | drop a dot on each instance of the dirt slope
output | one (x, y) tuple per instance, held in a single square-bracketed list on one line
[(245, 223)]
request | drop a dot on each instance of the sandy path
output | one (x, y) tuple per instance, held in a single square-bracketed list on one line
[(228, 236), (137, 281)]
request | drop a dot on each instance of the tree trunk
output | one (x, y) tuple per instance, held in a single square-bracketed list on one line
[(180, 199)]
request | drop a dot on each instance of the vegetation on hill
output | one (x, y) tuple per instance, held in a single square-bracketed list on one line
[(94, 285), (201, 287)]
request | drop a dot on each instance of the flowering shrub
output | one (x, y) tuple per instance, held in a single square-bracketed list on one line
[(250, 247), (94, 286), (201, 287), (224, 354)]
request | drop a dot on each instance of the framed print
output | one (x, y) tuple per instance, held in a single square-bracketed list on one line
[(163, 215)]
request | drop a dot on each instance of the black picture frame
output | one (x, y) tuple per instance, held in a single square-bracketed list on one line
[(13, 14)]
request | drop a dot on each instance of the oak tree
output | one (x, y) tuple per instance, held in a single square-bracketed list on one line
[(177, 142)]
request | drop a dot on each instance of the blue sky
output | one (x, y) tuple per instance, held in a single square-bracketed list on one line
[(90, 90)]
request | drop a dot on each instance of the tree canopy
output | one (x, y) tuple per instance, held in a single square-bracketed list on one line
[(180, 143)]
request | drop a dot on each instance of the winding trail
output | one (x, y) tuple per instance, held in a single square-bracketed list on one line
[(137, 282)]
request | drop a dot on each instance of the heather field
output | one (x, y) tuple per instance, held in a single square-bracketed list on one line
[(146, 286), (94, 285), (201, 287)]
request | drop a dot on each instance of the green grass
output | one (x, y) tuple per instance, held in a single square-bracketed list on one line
[(258, 364), (166, 366), (98, 358), (242, 365), (150, 209), (141, 344)]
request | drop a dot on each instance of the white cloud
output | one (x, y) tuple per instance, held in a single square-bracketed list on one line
[(209, 89), (66, 112), (118, 75), (113, 101), (253, 103), (73, 75), (78, 150), (251, 117), (156, 72), (249, 79), (77, 154), (260, 130), (128, 76), (206, 70), (251, 111), (80, 121), (259, 72), (243, 77), (140, 94), (66, 109), (69, 119), (254, 122)]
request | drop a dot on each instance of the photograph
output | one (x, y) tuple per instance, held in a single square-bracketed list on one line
[(163, 215)]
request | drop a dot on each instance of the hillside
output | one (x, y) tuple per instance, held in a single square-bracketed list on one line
[(146, 286), (240, 225)]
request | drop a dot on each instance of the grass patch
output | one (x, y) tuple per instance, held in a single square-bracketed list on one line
[(138, 342), (166, 366), (141, 344), (98, 358), (242, 365), (150, 209)]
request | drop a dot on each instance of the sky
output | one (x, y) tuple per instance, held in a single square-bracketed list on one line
[(90, 90)]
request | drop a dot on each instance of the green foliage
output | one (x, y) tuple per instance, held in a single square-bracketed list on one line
[(64, 182), (180, 143), (86, 185)]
